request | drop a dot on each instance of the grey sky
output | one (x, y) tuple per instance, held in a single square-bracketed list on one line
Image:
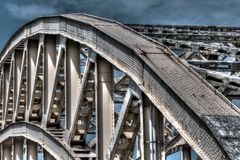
[(14, 13)]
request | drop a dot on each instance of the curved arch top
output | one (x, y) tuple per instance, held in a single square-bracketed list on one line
[(36, 134), (194, 107)]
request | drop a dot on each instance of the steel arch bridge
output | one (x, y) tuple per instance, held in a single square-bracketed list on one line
[(77, 86)]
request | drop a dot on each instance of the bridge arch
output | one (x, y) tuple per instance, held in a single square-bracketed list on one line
[(38, 135), (161, 75)]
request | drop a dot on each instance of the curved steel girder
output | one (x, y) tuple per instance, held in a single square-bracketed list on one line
[(178, 92), (39, 135)]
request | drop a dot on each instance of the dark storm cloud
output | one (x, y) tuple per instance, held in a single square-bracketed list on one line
[(208, 12), (29, 10)]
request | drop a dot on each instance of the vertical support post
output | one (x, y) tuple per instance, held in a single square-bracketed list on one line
[(1, 145), (73, 81), (32, 59), (186, 152), (1, 152), (49, 68), (47, 156), (153, 132), (32, 150), (1, 98), (18, 72), (141, 131), (7, 150), (105, 113), (6, 82), (159, 131), (18, 149), (147, 129), (136, 149)]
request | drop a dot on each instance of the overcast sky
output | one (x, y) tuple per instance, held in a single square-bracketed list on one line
[(14, 13)]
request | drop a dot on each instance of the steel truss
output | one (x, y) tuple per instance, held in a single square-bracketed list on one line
[(82, 87)]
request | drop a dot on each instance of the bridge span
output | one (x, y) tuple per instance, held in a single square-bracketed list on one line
[(76, 86)]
